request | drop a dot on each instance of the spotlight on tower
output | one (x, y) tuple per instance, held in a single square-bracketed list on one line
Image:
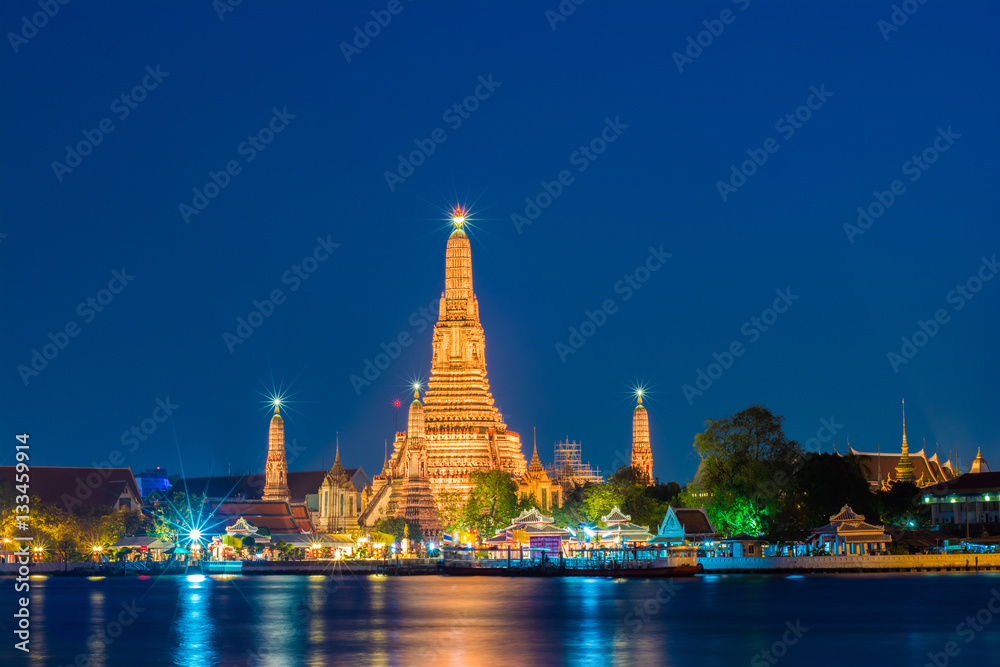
[(458, 217), (277, 402)]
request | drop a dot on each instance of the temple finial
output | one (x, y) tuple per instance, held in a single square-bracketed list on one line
[(335, 460), (534, 437), (277, 404)]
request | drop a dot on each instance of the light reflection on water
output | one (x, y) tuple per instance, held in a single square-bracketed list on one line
[(194, 626), (315, 622)]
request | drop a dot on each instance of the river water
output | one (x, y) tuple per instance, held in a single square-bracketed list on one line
[(316, 621)]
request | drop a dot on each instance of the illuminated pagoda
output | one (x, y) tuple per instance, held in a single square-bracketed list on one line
[(904, 470), (642, 455), (276, 468), (456, 430)]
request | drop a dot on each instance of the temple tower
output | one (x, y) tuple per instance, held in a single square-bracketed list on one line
[(463, 431), (904, 470), (642, 454), (276, 468)]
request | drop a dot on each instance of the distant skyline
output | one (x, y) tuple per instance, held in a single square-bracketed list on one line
[(784, 204)]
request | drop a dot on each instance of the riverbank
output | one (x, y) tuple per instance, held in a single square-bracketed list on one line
[(430, 566)]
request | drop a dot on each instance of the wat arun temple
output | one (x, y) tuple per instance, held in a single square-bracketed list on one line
[(456, 430), (452, 431)]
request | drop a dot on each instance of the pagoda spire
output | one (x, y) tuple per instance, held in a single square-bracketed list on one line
[(642, 454), (462, 429), (904, 470), (276, 467)]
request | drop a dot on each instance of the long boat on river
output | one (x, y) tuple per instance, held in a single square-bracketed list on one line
[(633, 563)]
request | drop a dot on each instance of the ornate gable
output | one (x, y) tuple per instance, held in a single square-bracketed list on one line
[(615, 516)]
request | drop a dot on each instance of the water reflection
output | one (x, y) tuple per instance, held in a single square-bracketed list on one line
[(194, 627), (98, 622)]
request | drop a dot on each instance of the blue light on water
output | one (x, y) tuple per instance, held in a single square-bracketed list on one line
[(196, 578)]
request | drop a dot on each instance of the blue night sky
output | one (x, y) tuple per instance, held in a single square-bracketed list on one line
[(212, 85)]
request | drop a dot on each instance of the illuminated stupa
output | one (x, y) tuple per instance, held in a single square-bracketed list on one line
[(463, 429), (642, 454), (276, 468), (904, 470), (456, 430)]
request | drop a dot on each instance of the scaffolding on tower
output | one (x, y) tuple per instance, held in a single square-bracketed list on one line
[(571, 452)]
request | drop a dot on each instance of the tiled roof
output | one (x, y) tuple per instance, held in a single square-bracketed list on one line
[(884, 464), (278, 517), (615, 516), (695, 521), (970, 482), (846, 514), (70, 487), (251, 487)]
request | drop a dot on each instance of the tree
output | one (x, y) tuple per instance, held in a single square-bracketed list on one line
[(450, 506), (492, 503), (830, 481), (178, 515), (573, 511), (900, 504), (748, 471)]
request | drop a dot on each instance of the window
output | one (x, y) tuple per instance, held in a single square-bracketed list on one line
[(341, 504), (545, 499)]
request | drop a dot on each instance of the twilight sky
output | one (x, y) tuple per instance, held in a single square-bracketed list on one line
[(275, 133)]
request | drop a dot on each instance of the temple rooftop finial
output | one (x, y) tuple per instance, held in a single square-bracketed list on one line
[(277, 404)]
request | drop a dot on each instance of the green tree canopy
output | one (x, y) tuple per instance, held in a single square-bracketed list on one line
[(492, 503), (747, 472)]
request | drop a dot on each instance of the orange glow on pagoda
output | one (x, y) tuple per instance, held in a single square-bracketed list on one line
[(457, 429), (462, 428), (642, 453)]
